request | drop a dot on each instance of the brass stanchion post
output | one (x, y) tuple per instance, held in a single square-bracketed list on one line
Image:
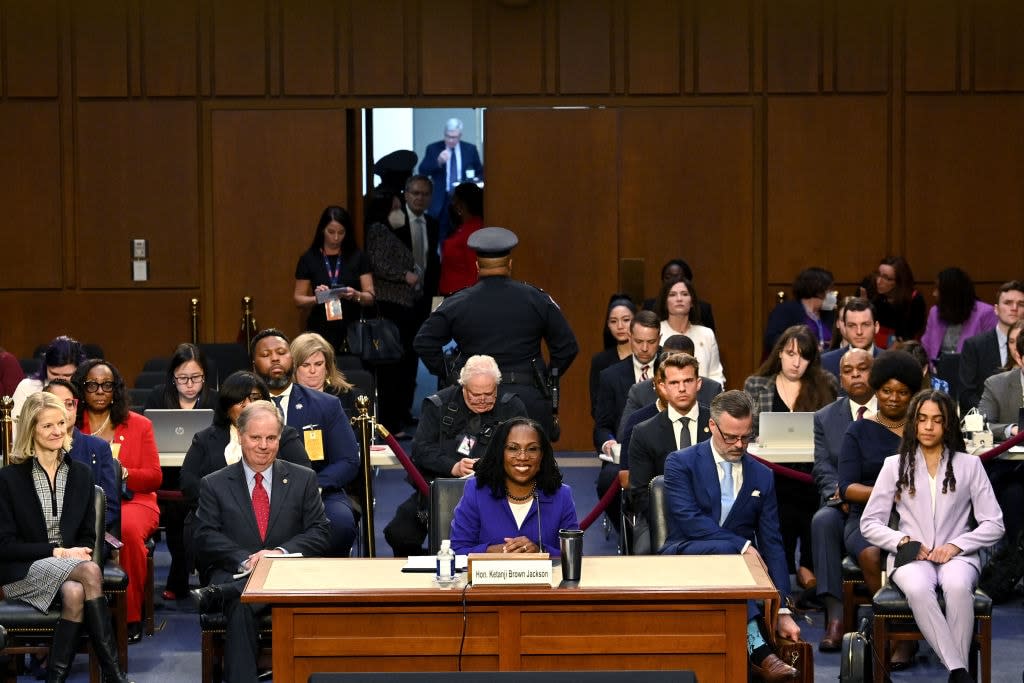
[(363, 422)]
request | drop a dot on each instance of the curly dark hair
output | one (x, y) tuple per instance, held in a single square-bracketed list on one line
[(118, 401), (897, 365), (490, 469), (952, 439)]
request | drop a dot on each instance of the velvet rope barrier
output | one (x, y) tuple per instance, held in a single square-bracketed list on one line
[(788, 472), (606, 499), (414, 474)]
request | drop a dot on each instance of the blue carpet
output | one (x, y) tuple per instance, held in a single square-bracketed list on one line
[(173, 653)]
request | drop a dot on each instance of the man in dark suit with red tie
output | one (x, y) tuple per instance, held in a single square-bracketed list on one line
[(258, 506)]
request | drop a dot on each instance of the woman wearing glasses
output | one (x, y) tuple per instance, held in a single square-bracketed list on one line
[(517, 475), (185, 388), (130, 435), (217, 446)]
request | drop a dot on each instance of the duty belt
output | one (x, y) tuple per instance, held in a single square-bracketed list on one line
[(523, 377)]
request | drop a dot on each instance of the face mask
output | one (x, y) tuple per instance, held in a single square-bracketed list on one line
[(830, 301), (397, 219)]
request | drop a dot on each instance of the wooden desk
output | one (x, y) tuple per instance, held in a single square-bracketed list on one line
[(651, 612)]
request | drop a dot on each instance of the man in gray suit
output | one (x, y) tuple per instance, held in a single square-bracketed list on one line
[(1002, 398), (256, 507), (830, 425)]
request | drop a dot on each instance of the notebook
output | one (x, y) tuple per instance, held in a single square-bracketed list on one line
[(174, 428), (786, 431)]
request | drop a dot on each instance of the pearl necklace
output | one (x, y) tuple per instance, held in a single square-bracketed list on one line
[(522, 499), (888, 424)]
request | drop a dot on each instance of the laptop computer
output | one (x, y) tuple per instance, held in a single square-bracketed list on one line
[(174, 428), (786, 431)]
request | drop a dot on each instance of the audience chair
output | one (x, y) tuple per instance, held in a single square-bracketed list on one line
[(225, 359), (346, 362), (893, 620), (213, 626), (156, 365), (148, 380), (137, 398), (445, 494), (93, 351), (657, 515), (28, 365), (855, 593), (29, 631)]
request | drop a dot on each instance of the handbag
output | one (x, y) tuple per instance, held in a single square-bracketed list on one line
[(799, 654), (376, 340), (855, 663)]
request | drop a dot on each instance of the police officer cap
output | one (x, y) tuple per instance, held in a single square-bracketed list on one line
[(493, 242), (395, 168)]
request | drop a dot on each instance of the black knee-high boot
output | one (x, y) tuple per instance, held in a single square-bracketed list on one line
[(62, 651), (101, 633)]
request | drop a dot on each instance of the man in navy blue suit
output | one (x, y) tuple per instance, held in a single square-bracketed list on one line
[(859, 327), (722, 503), (829, 521), (449, 162), (327, 435)]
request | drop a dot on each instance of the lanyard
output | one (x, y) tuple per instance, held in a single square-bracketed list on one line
[(332, 275)]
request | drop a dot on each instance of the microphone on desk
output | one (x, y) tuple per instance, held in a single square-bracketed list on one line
[(540, 529)]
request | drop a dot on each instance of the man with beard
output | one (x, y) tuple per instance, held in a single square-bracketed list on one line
[(327, 435), (827, 525)]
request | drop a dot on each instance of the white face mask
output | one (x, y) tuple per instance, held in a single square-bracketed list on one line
[(830, 301), (397, 219)]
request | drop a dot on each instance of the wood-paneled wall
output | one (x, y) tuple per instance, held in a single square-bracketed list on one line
[(750, 137)]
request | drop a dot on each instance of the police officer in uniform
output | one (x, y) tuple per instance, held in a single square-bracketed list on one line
[(506, 319), (455, 427)]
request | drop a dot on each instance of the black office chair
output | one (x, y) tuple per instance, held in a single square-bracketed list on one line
[(657, 514), (156, 365), (149, 379), (225, 359), (445, 494)]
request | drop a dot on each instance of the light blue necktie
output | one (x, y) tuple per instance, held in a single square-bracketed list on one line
[(727, 494)]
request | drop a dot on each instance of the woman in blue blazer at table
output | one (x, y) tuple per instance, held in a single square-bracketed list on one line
[(517, 492)]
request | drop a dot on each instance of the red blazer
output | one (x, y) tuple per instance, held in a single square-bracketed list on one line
[(137, 453)]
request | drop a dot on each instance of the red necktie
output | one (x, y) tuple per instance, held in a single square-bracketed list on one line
[(261, 505), (861, 411)]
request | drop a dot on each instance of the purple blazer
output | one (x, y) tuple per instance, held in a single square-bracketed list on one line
[(482, 520), (949, 522), (982, 319)]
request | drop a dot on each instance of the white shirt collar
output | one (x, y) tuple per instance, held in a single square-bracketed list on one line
[(871, 405), (693, 413)]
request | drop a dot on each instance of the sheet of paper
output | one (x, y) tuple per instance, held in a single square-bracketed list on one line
[(428, 563)]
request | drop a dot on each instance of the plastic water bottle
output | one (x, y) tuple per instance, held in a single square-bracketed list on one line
[(445, 564)]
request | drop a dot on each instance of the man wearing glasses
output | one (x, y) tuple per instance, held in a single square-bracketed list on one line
[(721, 503), (455, 427)]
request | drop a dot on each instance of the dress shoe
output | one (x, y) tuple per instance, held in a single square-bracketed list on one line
[(805, 578), (134, 632), (832, 641), (903, 656), (960, 676), (169, 596), (209, 599), (773, 669)]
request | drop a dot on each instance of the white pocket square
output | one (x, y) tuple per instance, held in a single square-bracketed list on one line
[(755, 494)]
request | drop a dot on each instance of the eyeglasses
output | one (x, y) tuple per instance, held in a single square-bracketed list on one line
[(531, 452), (730, 439), (71, 403), (185, 380), (93, 387)]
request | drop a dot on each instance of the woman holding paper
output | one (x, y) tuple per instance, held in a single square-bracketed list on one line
[(517, 502), (333, 262), (935, 487)]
